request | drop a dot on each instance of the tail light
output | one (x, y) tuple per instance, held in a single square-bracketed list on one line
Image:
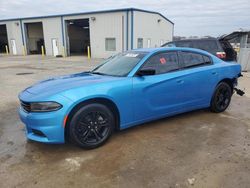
[(221, 55)]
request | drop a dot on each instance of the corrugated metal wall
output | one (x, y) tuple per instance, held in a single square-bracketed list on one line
[(244, 59), (151, 27)]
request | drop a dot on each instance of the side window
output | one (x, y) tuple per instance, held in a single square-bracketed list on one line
[(190, 59), (163, 62), (207, 60)]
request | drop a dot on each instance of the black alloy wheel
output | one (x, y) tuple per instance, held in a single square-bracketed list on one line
[(92, 125), (221, 98)]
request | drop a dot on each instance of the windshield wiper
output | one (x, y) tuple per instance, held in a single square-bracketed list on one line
[(99, 73)]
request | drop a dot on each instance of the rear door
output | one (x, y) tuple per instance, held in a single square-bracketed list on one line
[(201, 77)]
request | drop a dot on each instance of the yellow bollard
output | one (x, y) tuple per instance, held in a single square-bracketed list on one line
[(88, 52), (42, 50), (7, 50), (24, 51)]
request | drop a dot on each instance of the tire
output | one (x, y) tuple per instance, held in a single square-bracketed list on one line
[(91, 126), (221, 98)]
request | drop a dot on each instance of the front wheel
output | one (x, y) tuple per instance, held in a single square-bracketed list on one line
[(221, 98), (91, 126)]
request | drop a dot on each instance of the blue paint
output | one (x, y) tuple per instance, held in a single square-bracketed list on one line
[(132, 29), (138, 99)]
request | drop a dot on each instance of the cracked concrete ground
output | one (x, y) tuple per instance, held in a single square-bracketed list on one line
[(195, 149)]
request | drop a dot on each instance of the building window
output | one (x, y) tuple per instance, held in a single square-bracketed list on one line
[(140, 43), (110, 44)]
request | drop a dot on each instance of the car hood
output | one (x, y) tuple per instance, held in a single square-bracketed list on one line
[(62, 83)]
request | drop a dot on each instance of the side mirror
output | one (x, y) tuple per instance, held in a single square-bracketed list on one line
[(146, 72)]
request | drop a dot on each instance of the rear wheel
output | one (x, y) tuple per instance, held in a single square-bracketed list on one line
[(221, 98), (91, 126)]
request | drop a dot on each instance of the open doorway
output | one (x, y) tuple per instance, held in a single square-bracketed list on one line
[(3, 38), (35, 38), (78, 36)]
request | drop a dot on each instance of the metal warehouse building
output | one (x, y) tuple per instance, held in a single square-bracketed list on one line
[(105, 32)]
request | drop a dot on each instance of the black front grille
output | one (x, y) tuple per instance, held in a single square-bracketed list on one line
[(38, 133), (25, 106)]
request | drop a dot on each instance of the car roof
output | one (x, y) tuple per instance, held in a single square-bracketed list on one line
[(153, 50), (145, 49)]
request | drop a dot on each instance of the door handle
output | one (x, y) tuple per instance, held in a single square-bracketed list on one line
[(214, 73), (180, 81)]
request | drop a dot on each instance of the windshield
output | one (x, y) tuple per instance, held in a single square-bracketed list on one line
[(120, 64)]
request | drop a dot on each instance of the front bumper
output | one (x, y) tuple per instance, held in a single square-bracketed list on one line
[(44, 127), (47, 127)]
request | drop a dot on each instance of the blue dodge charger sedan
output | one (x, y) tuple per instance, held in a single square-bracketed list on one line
[(128, 89)]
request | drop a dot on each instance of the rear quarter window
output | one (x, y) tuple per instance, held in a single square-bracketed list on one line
[(190, 59)]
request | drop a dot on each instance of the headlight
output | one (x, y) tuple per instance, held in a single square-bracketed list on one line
[(44, 106)]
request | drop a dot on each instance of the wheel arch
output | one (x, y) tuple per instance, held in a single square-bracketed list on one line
[(229, 81), (100, 100)]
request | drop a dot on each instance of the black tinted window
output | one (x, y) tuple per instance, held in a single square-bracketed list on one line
[(207, 45), (207, 60), (163, 62), (190, 59), (187, 44)]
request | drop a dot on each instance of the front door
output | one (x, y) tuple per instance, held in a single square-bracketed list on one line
[(160, 94)]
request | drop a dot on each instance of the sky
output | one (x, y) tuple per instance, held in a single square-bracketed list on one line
[(191, 17)]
